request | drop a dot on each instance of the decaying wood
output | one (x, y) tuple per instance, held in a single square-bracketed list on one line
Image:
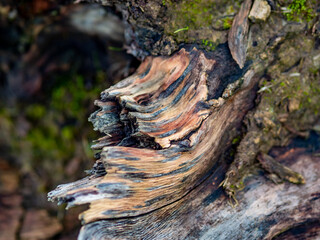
[(265, 211), (206, 214), (159, 171), (168, 130), (284, 173), (171, 136), (238, 34)]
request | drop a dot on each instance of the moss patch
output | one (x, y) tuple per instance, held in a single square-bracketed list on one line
[(203, 22), (301, 10)]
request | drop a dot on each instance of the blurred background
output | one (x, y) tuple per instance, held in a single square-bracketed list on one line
[(55, 59)]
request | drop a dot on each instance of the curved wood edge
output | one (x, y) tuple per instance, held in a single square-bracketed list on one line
[(170, 136)]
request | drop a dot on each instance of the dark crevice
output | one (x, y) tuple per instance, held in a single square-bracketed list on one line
[(303, 231)]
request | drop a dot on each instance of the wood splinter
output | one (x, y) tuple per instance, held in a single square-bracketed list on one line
[(162, 136)]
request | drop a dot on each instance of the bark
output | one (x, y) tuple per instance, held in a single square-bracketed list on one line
[(172, 131)]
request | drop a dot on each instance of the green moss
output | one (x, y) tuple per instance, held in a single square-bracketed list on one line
[(35, 111), (296, 96), (196, 13), (189, 21), (227, 23), (300, 10), (236, 140), (71, 99), (208, 44), (186, 15), (67, 133), (310, 98)]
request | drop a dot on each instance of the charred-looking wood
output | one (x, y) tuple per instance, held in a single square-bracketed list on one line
[(162, 135)]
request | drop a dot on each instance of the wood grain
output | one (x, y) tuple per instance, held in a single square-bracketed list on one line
[(161, 138), (265, 211)]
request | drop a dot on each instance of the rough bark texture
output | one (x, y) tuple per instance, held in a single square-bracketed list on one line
[(172, 128)]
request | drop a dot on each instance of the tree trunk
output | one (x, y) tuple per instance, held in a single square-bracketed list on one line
[(177, 162)]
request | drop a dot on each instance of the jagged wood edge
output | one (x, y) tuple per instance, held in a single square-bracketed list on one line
[(123, 201)]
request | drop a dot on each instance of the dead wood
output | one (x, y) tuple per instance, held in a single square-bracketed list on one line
[(265, 210), (238, 34), (168, 132), (170, 135)]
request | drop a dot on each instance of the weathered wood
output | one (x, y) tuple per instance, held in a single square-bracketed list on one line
[(238, 34), (171, 134), (284, 173), (159, 171), (265, 210)]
